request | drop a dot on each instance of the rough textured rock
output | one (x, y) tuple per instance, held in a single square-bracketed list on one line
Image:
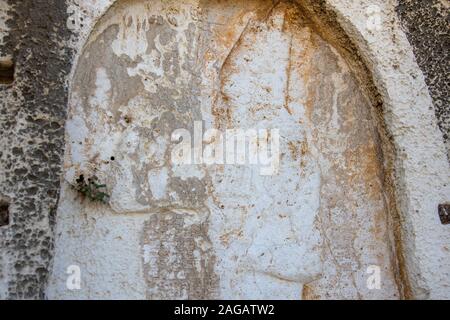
[(427, 25), (32, 118), (182, 233), (217, 231)]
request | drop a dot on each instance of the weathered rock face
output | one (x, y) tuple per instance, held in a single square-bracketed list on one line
[(223, 230), (33, 104), (426, 25), (362, 166)]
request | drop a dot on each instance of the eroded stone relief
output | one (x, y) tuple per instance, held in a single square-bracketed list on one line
[(220, 231)]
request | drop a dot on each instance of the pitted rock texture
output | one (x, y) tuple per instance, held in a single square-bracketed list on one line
[(427, 25), (117, 246), (32, 118)]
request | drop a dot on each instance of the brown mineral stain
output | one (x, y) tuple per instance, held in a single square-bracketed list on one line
[(309, 293), (292, 145)]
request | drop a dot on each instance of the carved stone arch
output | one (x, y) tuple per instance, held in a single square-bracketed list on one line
[(338, 141)]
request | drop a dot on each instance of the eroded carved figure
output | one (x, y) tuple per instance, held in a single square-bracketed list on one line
[(217, 231)]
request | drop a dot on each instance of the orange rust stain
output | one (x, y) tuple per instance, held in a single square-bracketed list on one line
[(364, 168), (292, 145), (288, 84), (304, 148), (309, 293)]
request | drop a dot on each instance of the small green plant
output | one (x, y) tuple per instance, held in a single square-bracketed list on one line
[(92, 189)]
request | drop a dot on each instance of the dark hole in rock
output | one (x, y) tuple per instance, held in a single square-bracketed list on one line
[(444, 213), (127, 119), (4, 213), (6, 70)]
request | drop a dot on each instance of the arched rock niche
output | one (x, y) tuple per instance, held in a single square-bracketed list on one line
[(310, 230)]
